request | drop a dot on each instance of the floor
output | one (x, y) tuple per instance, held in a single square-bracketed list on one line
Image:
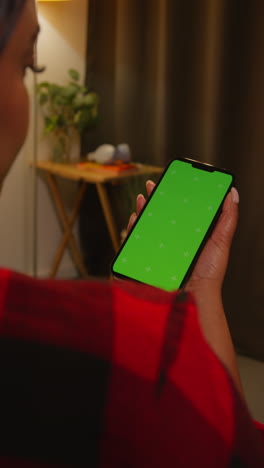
[(252, 375)]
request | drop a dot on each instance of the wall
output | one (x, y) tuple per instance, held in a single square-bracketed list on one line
[(28, 242), (17, 204), (62, 45)]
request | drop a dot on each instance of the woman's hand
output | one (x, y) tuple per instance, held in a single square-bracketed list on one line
[(206, 281), (209, 271)]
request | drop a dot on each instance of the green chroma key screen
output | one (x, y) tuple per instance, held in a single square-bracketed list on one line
[(160, 249)]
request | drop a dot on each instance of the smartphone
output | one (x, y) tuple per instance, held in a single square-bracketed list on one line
[(169, 234)]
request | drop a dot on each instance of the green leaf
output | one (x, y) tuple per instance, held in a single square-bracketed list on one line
[(75, 85), (83, 90), (78, 102), (43, 86), (74, 74), (43, 99), (91, 99), (50, 124), (69, 91), (86, 119), (87, 101), (67, 107)]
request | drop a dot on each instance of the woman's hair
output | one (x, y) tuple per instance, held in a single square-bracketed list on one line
[(10, 11)]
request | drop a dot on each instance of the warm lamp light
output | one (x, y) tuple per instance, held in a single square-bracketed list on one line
[(54, 0)]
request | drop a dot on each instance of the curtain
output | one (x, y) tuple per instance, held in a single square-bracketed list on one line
[(186, 78)]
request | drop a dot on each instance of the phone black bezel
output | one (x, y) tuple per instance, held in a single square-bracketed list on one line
[(200, 165)]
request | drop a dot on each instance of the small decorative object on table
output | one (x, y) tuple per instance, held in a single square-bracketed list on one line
[(68, 111), (109, 159), (109, 154)]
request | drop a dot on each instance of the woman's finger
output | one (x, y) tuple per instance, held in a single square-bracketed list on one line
[(140, 203), (131, 221), (150, 185)]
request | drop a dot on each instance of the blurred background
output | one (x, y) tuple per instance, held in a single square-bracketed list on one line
[(175, 78)]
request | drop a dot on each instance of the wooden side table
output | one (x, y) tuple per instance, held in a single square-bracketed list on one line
[(84, 176)]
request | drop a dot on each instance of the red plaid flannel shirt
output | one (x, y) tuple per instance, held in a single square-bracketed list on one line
[(113, 375)]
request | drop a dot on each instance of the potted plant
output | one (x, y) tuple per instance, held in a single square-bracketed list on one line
[(68, 111)]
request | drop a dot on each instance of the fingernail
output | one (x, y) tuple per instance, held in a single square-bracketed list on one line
[(150, 182), (133, 218), (235, 195), (140, 196)]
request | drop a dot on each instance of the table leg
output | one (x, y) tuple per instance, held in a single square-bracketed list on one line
[(67, 224), (111, 226)]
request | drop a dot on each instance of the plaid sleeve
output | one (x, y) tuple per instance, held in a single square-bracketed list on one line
[(113, 375), (260, 427)]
